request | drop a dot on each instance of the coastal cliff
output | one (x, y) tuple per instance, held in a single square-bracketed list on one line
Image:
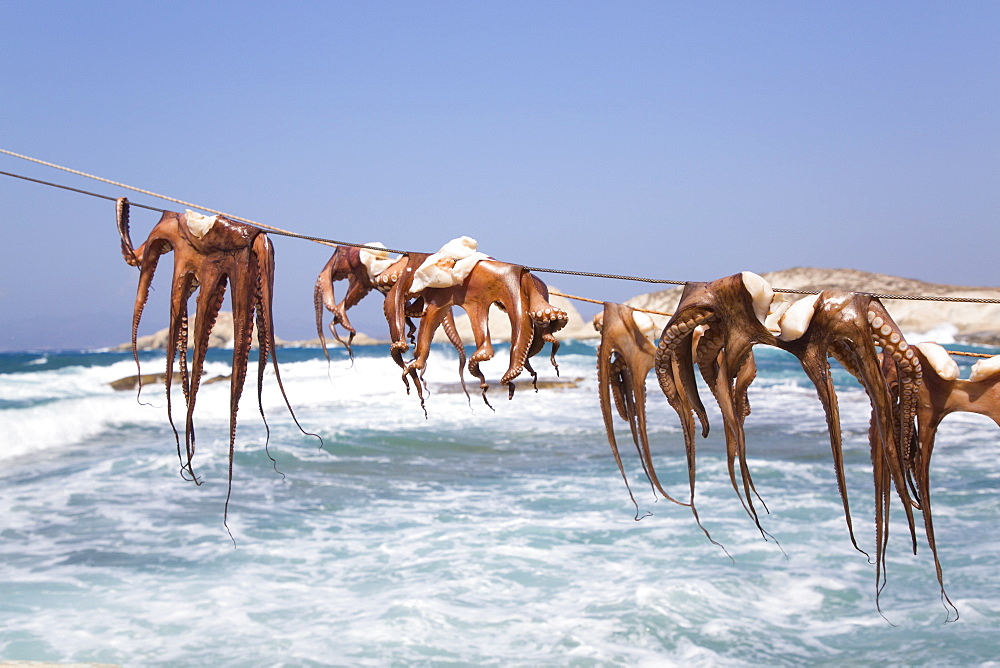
[(221, 336)]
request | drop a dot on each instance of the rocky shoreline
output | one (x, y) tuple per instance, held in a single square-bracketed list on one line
[(974, 323)]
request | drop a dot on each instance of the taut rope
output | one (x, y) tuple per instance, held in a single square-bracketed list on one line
[(333, 242)]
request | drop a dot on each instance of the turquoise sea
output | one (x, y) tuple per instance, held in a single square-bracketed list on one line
[(467, 537)]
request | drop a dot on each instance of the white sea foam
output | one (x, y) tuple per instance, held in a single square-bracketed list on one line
[(941, 334), (48, 409), (73, 404), (472, 536)]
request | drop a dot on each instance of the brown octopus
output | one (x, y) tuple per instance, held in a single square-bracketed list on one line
[(346, 264), (941, 394), (209, 252), (718, 323), (845, 325), (511, 287), (848, 326), (624, 359)]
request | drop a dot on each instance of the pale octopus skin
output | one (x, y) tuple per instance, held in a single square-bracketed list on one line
[(511, 287), (209, 252), (844, 324)]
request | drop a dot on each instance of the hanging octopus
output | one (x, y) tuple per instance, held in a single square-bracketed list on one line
[(475, 283), (846, 325), (365, 270), (719, 322), (941, 394), (209, 253), (360, 267), (624, 359)]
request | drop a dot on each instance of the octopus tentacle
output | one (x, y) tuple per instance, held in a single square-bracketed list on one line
[(150, 259), (939, 397), (882, 478), (616, 374), (122, 219), (177, 341), (674, 346), (531, 372), (323, 297), (183, 327), (516, 300), (745, 376), (554, 349), (818, 370), (210, 253), (209, 303), (890, 338), (732, 421), (484, 349), (923, 482), (882, 404), (177, 346), (606, 369), (263, 252), (640, 435), (673, 375), (885, 460), (243, 297), (395, 308), (433, 318), (624, 359), (448, 323)]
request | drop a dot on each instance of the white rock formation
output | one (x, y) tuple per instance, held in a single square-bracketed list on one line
[(974, 322)]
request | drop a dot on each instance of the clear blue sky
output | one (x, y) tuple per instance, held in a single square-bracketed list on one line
[(684, 141)]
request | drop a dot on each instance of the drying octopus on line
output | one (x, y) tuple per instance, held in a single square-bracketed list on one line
[(624, 359), (716, 326), (458, 275), (210, 252), (360, 267), (848, 326), (942, 393), (367, 269)]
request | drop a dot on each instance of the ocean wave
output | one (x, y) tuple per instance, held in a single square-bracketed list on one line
[(48, 408), (467, 536)]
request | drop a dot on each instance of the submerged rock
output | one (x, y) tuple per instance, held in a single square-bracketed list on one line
[(519, 384), (133, 382)]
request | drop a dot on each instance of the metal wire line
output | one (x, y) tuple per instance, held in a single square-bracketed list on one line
[(332, 242)]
